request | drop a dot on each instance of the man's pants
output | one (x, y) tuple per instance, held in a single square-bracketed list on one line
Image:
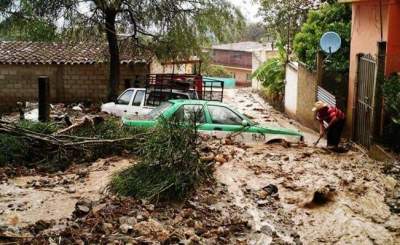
[(334, 132)]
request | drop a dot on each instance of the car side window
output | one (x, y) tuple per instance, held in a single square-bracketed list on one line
[(137, 101), (187, 112), (223, 115), (155, 98), (176, 96), (125, 98)]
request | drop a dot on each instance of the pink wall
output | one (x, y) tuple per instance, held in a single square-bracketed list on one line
[(366, 33), (393, 44)]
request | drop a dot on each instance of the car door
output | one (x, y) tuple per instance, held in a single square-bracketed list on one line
[(191, 112), (136, 107), (222, 121), (123, 102)]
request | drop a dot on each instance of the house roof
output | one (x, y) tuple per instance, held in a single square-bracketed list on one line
[(244, 46), (18, 52), (352, 1)]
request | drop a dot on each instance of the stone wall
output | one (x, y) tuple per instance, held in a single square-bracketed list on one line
[(68, 83)]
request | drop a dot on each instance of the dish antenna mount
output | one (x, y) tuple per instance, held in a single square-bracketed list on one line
[(330, 43)]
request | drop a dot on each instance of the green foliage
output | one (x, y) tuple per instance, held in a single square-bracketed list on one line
[(272, 72), (169, 167), (284, 17), (16, 150), (215, 71), (38, 127), (12, 149), (111, 128), (20, 22), (190, 32), (391, 94), (27, 30), (19, 150), (330, 17)]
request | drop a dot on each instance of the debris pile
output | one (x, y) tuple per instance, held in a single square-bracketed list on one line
[(170, 164), (128, 220), (44, 145)]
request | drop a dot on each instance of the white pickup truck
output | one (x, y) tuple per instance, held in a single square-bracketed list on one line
[(135, 101)]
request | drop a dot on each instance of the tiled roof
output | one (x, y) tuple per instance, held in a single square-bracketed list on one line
[(244, 46), (16, 52)]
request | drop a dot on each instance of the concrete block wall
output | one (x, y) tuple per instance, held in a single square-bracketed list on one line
[(19, 82), (291, 90), (68, 83), (300, 95), (306, 96)]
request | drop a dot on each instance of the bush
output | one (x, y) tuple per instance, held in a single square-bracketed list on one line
[(216, 71), (330, 17), (169, 167), (38, 127), (12, 149), (16, 148), (391, 94), (272, 73)]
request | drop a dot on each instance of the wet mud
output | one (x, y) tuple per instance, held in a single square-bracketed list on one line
[(262, 194)]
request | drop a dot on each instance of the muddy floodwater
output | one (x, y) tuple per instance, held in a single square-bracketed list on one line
[(26, 200), (287, 194)]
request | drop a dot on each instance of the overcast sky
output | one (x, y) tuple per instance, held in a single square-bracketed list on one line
[(248, 8)]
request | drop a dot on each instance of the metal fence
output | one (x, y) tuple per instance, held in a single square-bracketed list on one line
[(364, 108), (325, 96)]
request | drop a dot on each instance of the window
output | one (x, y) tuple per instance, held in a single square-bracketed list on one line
[(237, 55), (248, 76), (176, 96), (156, 112), (156, 97), (137, 101), (223, 115), (125, 98), (187, 113)]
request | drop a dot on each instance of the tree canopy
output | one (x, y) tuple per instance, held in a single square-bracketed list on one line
[(330, 17), (272, 72), (284, 17), (20, 22), (164, 28)]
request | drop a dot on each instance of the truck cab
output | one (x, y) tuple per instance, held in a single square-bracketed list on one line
[(135, 101)]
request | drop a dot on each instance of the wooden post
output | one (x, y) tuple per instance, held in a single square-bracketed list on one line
[(380, 79), (44, 99)]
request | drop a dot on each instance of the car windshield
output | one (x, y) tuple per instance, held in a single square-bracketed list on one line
[(156, 112)]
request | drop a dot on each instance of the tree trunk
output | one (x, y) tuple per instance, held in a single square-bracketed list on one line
[(114, 62)]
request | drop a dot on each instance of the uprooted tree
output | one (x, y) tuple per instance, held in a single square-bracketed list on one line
[(169, 167), (167, 29), (169, 162)]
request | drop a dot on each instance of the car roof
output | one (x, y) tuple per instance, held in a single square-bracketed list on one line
[(167, 90), (175, 91), (197, 102)]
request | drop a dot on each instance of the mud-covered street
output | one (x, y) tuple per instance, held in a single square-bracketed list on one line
[(262, 194)]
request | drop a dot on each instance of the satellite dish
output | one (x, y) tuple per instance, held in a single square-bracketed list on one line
[(330, 42)]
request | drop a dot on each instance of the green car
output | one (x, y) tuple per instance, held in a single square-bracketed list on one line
[(216, 119)]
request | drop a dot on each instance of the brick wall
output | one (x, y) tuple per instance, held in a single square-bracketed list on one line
[(68, 83), (232, 58)]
